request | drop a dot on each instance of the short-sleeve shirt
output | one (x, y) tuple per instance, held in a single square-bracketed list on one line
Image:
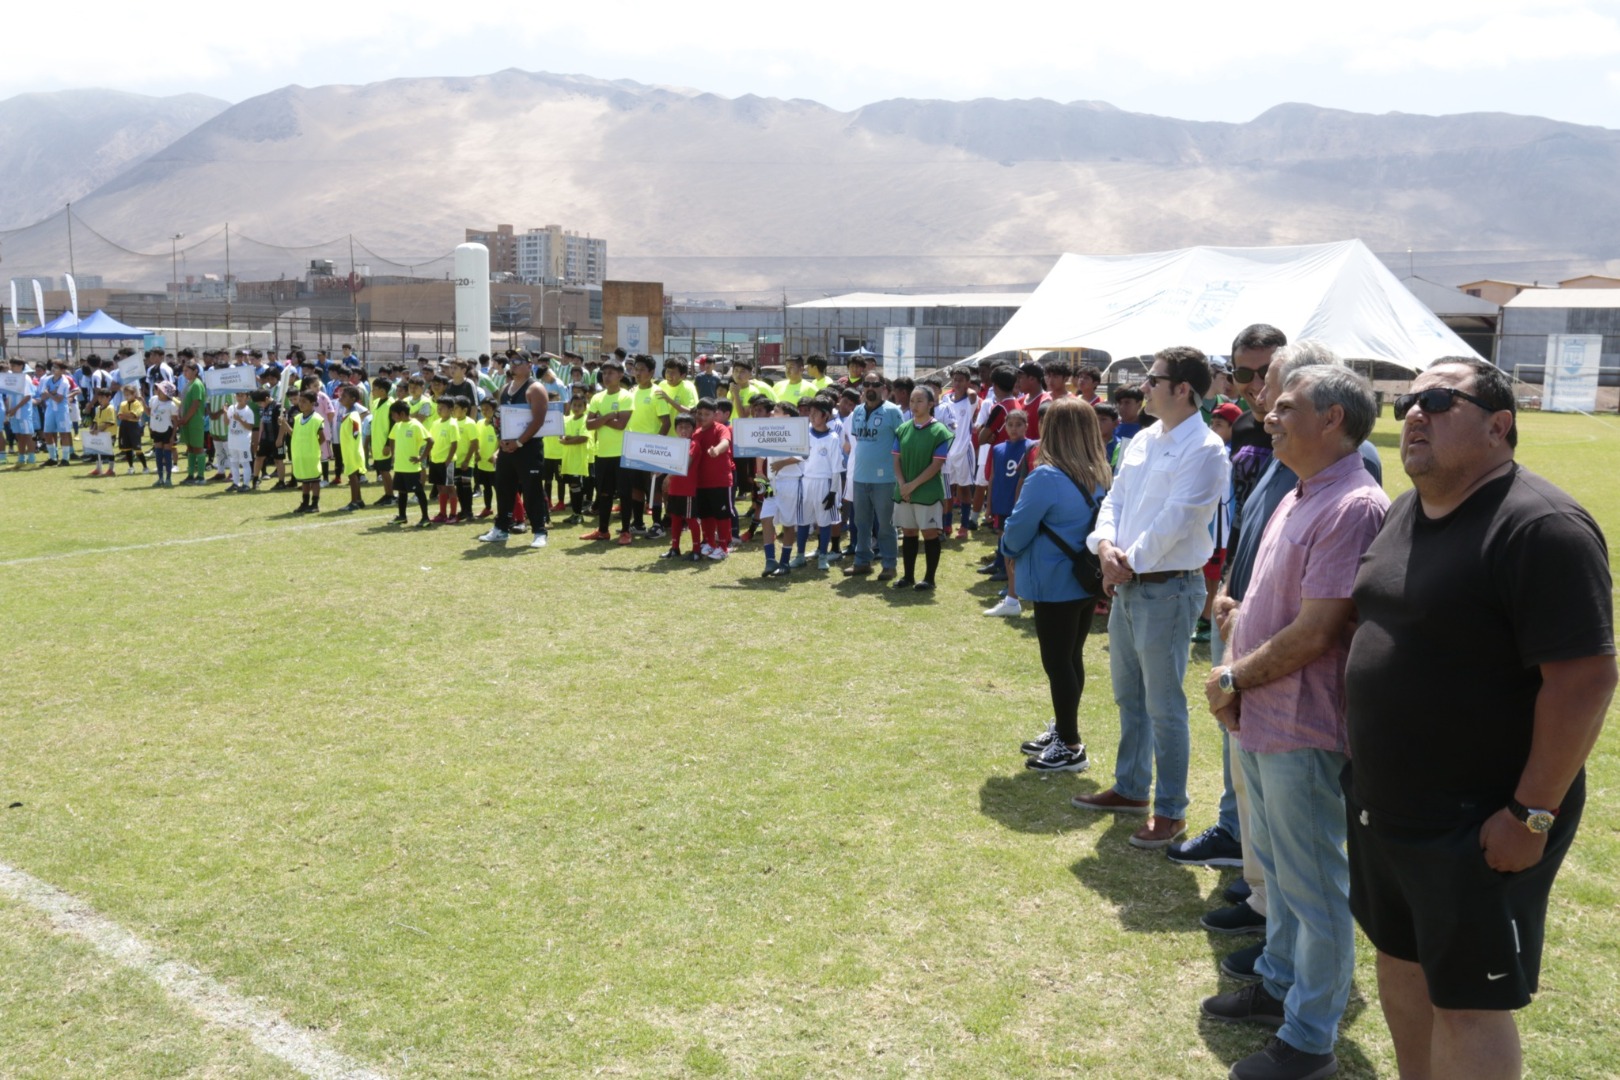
[(1310, 551), (647, 411), (408, 436), (712, 472), (918, 447), (871, 433), (609, 441), (1456, 616)]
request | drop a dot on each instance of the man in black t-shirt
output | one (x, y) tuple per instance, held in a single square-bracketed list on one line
[(1477, 683)]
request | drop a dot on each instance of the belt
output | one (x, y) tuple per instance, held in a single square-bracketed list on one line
[(1158, 577)]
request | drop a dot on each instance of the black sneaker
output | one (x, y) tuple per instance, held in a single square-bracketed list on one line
[(383, 500), (1249, 1005), (1059, 758), (1237, 892), (1212, 847), (670, 553), (904, 583), (924, 586), (1240, 965), (1280, 1061), (655, 533), (1042, 741), (1237, 919)]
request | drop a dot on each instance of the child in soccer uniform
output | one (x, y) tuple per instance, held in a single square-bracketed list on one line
[(272, 440), (407, 439), (575, 444), (352, 444), (462, 465), (163, 413), (682, 494), (381, 420), (1009, 460), (442, 445), (21, 416), (239, 424), (488, 432), (103, 421), (782, 509), (551, 458), (421, 406), (131, 412), (920, 449), (306, 435), (818, 491), (715, 472)]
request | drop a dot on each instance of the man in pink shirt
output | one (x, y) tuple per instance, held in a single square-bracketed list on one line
[(1282, 697)]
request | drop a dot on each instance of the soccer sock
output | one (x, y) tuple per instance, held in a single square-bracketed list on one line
[(930, 558), (303, 496), (823, 538), (770, 554), (51, 450), (400, 495), (678, 526), (908, 552), (421, 500), (802, 539), (723, 527), (520, 512), (701, 531), (464, 496), (444, 501)]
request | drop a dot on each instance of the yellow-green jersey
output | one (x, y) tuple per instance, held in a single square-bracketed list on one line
[(648, 412), (609, 441), (467, 440), (550, 448), (742, 399), (445, 437), (575, 458), (408, 437), (380, 425), (795, 393), (351, 442), (821, 383), (423, 409), (685, 397), (489, 440)]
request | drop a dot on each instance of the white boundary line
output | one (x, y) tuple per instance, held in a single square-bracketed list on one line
[(178, 542), (304, 1050)]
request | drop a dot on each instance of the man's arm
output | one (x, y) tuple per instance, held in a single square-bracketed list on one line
[(1570, 707), (1315, 630)]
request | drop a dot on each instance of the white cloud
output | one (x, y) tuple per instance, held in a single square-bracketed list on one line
[(1509, 40)]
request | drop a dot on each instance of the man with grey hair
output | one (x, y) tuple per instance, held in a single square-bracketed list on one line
[(1247, 913), (1282, 697)]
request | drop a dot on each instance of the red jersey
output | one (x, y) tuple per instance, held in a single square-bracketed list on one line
[(1032, 409), (712, 472), (679, 487)]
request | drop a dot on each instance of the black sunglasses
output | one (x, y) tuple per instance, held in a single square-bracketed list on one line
[(1155, 380), (1244, 376), (1436, 399)]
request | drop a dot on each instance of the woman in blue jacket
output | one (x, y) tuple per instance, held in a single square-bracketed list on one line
[(1071, 468)]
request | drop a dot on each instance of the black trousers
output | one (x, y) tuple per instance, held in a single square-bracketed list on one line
[(515, 471), (1061, 630), (607, 486)]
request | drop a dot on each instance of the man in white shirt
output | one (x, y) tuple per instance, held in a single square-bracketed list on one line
[(1153, 537)]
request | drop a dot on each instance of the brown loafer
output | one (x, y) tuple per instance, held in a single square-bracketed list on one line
[(858, 570), (1109, 800), (886, 574), (1159, 832)]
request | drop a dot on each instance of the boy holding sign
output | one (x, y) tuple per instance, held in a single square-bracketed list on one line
[(682, 490), (714, 471)]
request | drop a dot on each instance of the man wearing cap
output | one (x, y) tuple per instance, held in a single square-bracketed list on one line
[(517, 466)]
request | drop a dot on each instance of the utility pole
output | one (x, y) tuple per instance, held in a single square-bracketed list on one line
[(174, 281), (227, 284)]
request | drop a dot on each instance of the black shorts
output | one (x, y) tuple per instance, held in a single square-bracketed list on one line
[(713, 502), (684, 506), (383, 465), (407, 482), (270, 451), (438, 472), (163, 438), (633, 480), (1429, 897), (485, 477)]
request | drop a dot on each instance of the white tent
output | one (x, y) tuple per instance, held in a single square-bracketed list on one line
[(1130, 305)]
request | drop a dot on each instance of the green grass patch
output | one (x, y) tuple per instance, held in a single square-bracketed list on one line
[(478, 813)]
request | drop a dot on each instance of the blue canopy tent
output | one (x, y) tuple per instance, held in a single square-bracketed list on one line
[(103, 327), (60, 327)]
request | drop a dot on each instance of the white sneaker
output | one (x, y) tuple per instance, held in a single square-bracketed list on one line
[(494, 536), (130, 471), (1007, 607), (538, 541), (717, 554), (707, 551)]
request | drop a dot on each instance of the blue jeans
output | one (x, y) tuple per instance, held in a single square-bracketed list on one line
[(1226, 815), (875, 502), (1149, 638), (1297, 830)]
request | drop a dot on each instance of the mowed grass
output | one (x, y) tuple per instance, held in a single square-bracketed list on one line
[(476, 813)]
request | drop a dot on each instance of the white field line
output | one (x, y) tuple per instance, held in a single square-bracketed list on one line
[(176, 543), (304, 1050)]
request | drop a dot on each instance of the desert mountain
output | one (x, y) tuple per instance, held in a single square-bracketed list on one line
[(56, 148), (710, 193)]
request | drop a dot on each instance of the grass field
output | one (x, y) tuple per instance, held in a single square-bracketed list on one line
[(478, 813)]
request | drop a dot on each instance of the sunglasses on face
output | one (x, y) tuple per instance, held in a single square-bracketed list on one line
[(1155, 380), (1244, 376), (1436, 399)]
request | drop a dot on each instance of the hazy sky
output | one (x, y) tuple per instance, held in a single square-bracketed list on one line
[(1558, 58)]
